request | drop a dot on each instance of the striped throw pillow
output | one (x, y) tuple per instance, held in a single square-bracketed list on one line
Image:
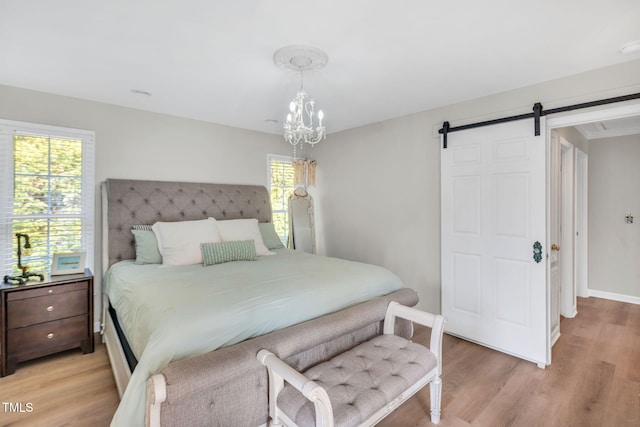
[(234, 250)]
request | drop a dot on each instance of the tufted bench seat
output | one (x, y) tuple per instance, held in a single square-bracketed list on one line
[(361, 386)]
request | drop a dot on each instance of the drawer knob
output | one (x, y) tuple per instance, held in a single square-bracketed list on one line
[(50, 291), (50, 336), (50, 308)]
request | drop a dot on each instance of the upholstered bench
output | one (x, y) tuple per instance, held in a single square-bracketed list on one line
[(361, 386)]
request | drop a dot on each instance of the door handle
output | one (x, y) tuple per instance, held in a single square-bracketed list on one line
[(555, 247)]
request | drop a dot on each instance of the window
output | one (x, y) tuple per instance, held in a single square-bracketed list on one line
[(281, 185), (47, 188)]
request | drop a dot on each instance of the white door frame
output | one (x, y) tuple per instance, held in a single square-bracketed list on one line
[(604, 113), (553, 230), (567, 231), (581, 272), (592, 116)]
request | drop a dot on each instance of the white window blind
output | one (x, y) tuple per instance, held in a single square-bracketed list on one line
[(281, 185), (47, 192)]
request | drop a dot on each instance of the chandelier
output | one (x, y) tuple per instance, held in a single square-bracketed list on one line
[(302, 125)]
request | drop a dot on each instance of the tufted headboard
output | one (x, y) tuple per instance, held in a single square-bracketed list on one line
[(127, 202)]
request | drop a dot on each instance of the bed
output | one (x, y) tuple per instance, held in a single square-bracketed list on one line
[(182, 340)]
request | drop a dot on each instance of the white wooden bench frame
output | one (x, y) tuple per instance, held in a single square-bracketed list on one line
[(279, 372)]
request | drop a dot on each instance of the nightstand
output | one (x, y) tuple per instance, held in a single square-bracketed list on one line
[(42, 318)]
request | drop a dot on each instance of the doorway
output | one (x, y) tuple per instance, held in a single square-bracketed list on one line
[(575, 237), (563, 211)]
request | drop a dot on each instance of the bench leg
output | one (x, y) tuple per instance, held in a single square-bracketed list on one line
[(276, 384), (436, 396)]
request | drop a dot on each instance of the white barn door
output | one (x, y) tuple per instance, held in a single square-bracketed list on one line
[(494, 290)]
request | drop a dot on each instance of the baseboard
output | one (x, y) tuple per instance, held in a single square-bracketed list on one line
[(613, 296)]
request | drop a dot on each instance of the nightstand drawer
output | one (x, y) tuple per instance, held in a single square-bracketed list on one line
[(43, 338), (31, 311), (47, 290)]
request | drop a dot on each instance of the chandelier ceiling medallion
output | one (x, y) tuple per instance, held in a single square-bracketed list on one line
[(302, 125)]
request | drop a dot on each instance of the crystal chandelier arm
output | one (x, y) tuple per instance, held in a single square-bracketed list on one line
[(309, 109), (313, 140)]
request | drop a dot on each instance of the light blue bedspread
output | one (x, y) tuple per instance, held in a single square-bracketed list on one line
[(168, 313)]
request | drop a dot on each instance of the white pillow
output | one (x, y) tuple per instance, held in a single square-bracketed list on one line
[(179, 242), (243, 229)]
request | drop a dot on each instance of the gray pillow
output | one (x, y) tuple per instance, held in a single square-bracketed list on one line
[(269, 236), (146, 246)]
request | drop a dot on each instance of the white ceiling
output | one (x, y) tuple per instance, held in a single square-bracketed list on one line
[(212, 60)]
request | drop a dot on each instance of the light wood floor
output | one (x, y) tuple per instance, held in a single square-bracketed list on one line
[(594, 380)]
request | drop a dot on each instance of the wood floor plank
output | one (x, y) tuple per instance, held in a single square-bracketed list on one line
[(633, 321), (511, 404), (629, 364), (588, 396), (68, 389), (578, 388), (594, 380), (623, 406)]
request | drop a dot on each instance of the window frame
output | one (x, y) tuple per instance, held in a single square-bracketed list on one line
[(9, 128)]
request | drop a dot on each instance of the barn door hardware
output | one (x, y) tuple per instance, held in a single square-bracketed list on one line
[(537, 111), (536, 114)]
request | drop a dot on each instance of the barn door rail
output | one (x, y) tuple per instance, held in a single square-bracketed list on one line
[(536, 114)]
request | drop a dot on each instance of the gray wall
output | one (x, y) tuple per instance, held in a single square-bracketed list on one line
[(380, 184), (614, 246), (378, 194)]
